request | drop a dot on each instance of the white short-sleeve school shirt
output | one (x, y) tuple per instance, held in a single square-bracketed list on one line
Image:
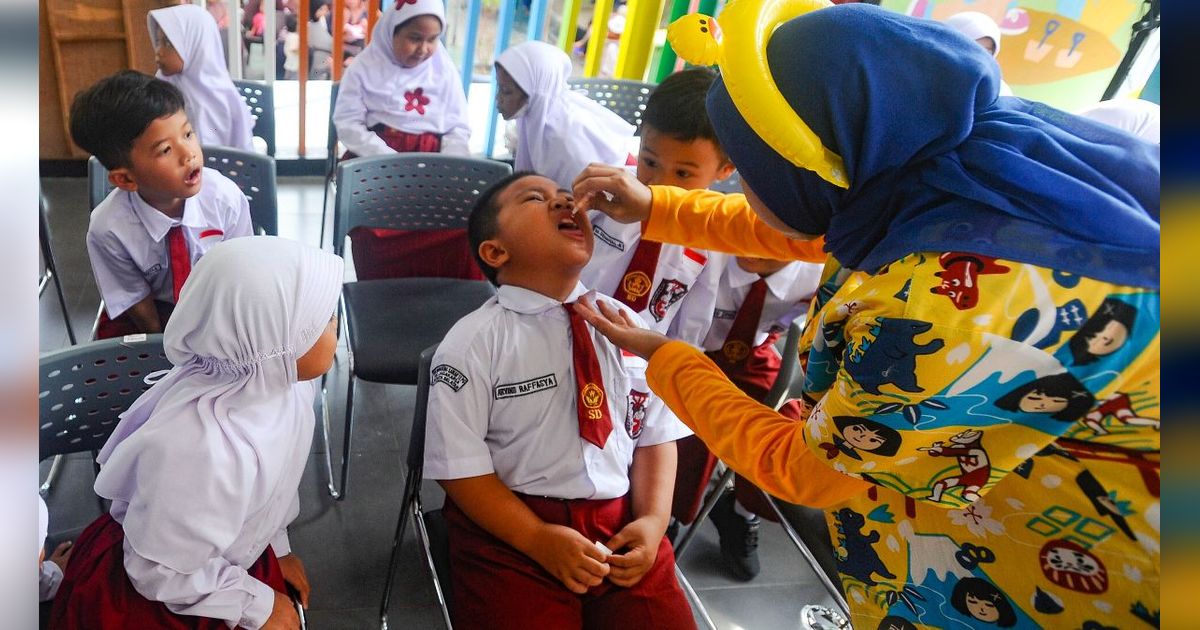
[(127, 239), (684, 288), (789, 292), (502, 400)]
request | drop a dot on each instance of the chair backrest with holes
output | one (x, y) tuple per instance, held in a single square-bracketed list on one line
[(83, 390), (260, 97), (255, 175), (626, 97), (731, 184), (410, 191), (98, 185)]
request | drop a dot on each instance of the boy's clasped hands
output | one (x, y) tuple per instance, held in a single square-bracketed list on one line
[(580, 564)]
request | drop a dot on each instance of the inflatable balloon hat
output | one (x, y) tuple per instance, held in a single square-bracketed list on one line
[(738, 45)]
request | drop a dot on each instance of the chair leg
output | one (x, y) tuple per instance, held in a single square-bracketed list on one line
[(325, 207), (798, 542), (423, 537), (709, 503), (325, 436), (412, 485), (55, 468), (62, 303), (341, 493), (694, 599)]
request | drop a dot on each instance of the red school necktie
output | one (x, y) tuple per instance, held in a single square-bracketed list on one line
[(595, 421), (181, 260), (634, 290), (740, 339)]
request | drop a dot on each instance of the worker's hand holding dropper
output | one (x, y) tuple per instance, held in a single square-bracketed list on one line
[(614, 191)]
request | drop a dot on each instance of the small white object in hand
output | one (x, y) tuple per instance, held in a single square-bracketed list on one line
[(607, 195), (604, 550)]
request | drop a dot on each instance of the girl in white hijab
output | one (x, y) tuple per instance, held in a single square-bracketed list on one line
[(403, 93), (559, 132), (984, 30), (203, 469), (187, 48)]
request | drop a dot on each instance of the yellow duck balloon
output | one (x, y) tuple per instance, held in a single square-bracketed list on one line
[(739, 46)]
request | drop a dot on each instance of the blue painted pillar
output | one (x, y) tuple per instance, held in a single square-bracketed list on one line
[(503, 34)]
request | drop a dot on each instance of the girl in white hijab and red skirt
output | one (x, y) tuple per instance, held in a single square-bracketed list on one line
[(203, 469)]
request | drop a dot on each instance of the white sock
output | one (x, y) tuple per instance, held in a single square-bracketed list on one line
[(742, 511)]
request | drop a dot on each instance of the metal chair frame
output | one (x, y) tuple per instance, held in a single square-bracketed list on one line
[(50, 273), (625, 97), (260, 98), (331, 159)]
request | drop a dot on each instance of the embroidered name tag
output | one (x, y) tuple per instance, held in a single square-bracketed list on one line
[(450, 376), (720, 313), (513, 390), (608, 239)]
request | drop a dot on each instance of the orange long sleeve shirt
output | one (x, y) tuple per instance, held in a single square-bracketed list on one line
[(754, 440)]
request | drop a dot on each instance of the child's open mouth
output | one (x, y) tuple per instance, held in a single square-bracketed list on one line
[(193, 177), (570, 227)]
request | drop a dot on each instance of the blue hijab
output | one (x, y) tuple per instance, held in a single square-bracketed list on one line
[(937, 161)]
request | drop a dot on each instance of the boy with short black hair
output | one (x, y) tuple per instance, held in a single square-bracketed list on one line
[(556, 459), (166, 210)]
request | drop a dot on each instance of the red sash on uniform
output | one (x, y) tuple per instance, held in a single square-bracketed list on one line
[(634, 289), (381, 253), (96, 592)]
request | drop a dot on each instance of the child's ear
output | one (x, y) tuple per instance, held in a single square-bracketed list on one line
[(493, 253), (726, 170), (121, 178)]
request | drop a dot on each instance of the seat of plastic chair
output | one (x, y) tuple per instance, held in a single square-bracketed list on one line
[(392, 321)]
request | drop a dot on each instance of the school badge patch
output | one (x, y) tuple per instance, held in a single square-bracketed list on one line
[(592, 398), (735, 351), (635, 284), (668, 293), (450, 376), (635, 414)]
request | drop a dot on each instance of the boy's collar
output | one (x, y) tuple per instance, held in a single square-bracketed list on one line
[(778, 283), (527, 302), (158, 224)]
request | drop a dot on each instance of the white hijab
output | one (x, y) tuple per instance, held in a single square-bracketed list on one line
[(207, 462), (1134, 115), (216, 110), (974, 25), (559, 132), (382, 83)]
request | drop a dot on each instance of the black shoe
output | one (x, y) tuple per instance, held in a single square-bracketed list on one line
[(739, 538)]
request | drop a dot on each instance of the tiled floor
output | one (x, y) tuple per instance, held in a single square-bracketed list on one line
[(345, 545)]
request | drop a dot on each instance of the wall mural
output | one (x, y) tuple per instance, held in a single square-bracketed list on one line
[(1061, 52)]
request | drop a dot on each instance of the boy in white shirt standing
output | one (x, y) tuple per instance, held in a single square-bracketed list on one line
[(557, 461), (167, 209)]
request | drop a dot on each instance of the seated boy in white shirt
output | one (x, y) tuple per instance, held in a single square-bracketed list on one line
[(166, 210), (557, 461)]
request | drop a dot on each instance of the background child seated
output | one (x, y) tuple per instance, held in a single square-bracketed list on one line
[(167, 209), (559, 132), (547, 447), (403, 94), (187, 49), (672, 288), (757, 300)]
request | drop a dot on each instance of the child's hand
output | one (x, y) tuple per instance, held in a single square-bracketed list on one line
[(630, 199), (62, 554), (570, 557), (283, 615), (640, 539), (294, 575), (616, 325)]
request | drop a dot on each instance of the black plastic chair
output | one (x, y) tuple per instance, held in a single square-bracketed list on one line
[(83, 390), (50, 271), (805, 527), (626, 97), (254, 174), (388, 322), (260, 98), (430, 526), (98, 186)]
